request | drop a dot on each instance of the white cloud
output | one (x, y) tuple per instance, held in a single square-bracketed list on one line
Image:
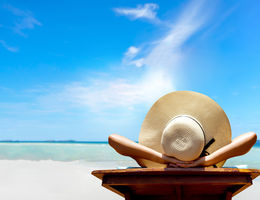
[(7, 47), (132, 51), (101, 94), (138, 62), (146, 11), (25, 20)]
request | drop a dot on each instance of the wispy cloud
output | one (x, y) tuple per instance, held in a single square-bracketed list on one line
[(7, 47), (103, 94), (235, 93), (159, 60), (146, 11), (166, 52), (25, 20), (132, 51), (221, 19), (129, 56)]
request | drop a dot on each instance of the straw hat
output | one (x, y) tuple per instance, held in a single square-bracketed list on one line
[(180, 124)]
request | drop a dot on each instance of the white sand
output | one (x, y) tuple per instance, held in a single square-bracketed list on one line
[(52, 180)]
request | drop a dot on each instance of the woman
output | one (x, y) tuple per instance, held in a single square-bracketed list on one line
[(239, 146)]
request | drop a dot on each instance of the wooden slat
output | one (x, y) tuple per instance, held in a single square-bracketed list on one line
[(228, 195), (146, 171), (175, 180), (178, 192)]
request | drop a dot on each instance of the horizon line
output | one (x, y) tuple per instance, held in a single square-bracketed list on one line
[(64, 141)]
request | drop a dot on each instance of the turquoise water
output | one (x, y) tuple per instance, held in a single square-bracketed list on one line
[(93, 152)]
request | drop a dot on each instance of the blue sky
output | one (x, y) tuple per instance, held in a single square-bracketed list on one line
[(85, 69)]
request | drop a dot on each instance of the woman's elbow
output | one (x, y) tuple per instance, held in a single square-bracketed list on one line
[(253, 137), (112, 139)]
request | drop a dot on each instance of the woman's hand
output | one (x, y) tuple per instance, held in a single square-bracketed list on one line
[(195, 163), (173, 162)]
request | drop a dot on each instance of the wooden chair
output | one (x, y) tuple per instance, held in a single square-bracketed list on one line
[(177, 183)]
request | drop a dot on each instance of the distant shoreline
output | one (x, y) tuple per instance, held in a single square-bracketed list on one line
[(69, 142), (53, 141)]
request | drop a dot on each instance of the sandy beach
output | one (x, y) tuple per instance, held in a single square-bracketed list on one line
[(54, 180)]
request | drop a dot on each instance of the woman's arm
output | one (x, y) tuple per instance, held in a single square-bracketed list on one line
[(239, 146)]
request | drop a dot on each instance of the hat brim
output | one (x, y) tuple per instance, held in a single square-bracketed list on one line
[(210, 115)]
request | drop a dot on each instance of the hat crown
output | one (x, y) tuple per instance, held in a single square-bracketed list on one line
[(183, 138)]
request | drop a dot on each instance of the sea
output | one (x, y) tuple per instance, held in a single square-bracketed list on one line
[(95, 153)]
